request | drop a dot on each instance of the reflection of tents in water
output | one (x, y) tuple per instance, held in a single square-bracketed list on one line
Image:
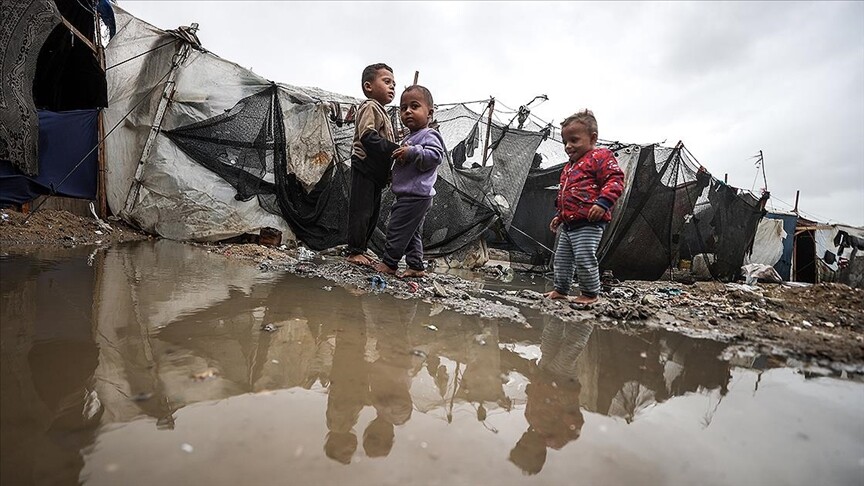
[(232, 152), (624, 375)]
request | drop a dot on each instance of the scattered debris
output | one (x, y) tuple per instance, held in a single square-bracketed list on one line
[(439, 289)]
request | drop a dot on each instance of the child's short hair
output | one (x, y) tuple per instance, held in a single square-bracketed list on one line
[(427, 95), (370, 71), (585, 117)]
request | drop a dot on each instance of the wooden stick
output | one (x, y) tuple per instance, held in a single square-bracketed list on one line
[(488, 131), (79, 35), (416, 76), (100, 124)]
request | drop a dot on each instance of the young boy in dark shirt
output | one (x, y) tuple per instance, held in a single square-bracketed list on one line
[(371, 154)]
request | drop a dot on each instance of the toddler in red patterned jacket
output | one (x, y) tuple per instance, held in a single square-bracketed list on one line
[(590, 184)]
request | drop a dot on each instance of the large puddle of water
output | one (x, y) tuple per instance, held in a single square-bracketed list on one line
[(160, 363)]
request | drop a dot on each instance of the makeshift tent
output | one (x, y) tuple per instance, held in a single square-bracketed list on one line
[(672, 208), (206, 150), (828, 253)]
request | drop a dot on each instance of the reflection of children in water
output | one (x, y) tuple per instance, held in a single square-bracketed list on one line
[(389, 378), (370, 366), (553, 409), (347, 392)]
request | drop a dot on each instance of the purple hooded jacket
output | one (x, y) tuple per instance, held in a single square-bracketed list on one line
[(417, 175)]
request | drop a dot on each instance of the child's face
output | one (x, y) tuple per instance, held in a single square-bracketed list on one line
[(414, 110), (577, 140), (382, 89)]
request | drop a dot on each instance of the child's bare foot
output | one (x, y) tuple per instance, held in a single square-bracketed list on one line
[(382, 267), (583, 302), (582, 299), (554, 295), (360, 259), (411, 273)]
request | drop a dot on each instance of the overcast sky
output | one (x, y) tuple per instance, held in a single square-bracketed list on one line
[(728, 79)]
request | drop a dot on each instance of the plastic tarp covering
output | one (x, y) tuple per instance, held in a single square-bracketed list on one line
[(66, 154), (784, 264), (175, 196), (768, 243)]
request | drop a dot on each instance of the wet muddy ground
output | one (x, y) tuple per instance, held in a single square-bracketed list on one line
[(819, 325), (157, 361)]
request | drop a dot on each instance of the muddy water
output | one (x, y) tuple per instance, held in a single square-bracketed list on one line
[(160, 363)]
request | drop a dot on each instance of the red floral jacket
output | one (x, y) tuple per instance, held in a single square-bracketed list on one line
[(594, 179)]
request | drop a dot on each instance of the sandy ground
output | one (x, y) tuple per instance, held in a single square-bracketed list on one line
[(817, 324), (58, 227)]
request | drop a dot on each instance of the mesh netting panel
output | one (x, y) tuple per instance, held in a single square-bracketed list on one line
[(469, 201), (723, 226), (529, 239), (237, 144), (246, 146), (642, 239)]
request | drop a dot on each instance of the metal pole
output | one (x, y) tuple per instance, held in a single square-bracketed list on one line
[(797, 193)]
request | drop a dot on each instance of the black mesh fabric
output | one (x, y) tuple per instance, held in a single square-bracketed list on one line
[(723, 226), (469, 201), (670, 205), (245, 144), (674, 209)]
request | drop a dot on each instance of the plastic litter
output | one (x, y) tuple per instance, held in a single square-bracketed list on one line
[(755, 272), (439, 290), (378, 282)]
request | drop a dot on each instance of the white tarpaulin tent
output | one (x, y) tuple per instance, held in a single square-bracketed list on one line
[(158, 82)]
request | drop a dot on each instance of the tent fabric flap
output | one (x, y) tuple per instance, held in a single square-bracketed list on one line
[(68, 163)]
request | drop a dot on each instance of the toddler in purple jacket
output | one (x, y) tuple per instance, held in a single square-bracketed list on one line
[(414, 174)]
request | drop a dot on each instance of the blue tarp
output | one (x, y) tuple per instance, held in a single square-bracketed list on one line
[(784, 265), (64, 139)]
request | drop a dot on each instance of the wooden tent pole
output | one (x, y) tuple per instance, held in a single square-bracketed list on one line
[(764, 177), (488, 131), (100, 124)]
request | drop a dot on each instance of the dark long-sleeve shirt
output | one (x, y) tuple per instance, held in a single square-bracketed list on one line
[(374, 142)]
